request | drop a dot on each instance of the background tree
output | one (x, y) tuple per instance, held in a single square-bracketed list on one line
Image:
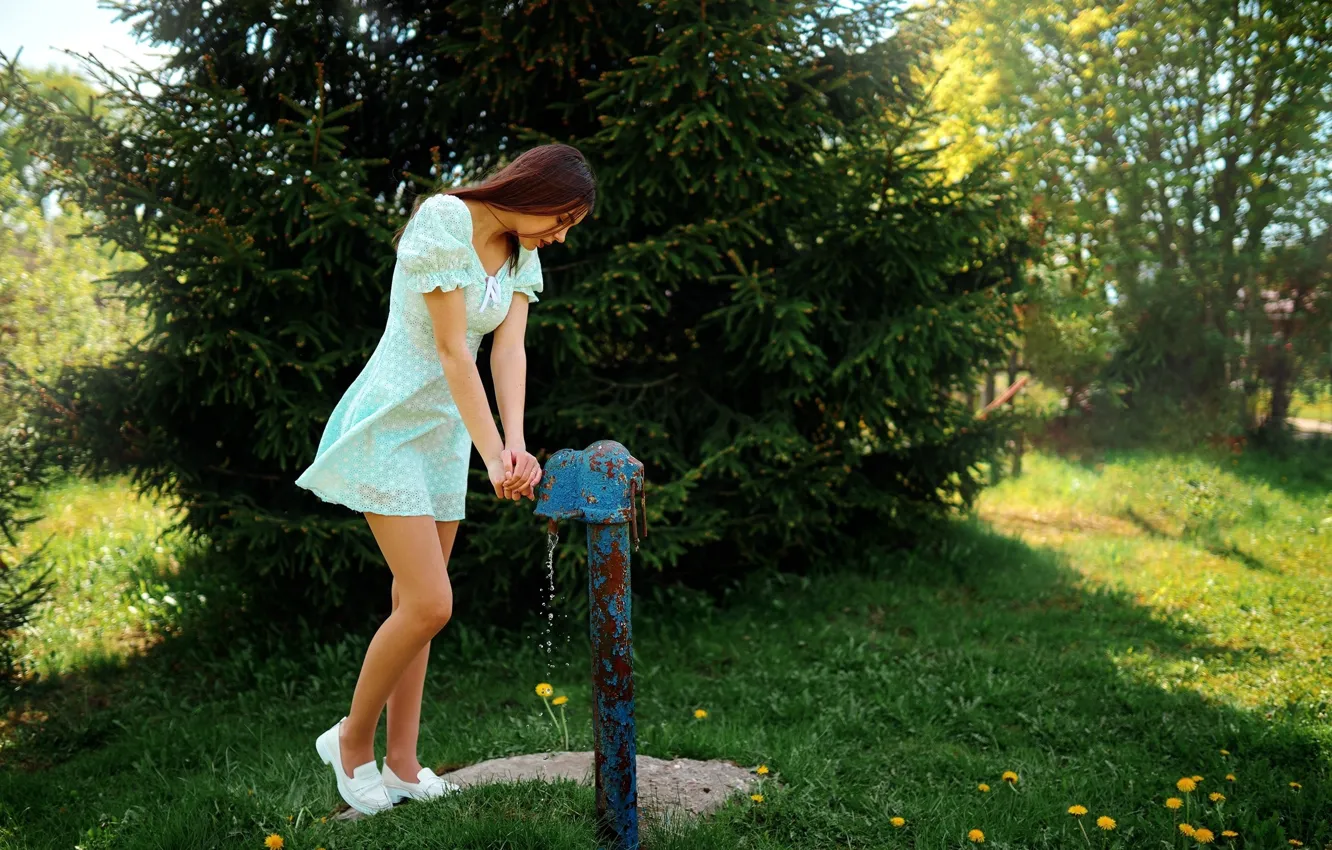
[(55, 315), (1174, 146), (770, 306)]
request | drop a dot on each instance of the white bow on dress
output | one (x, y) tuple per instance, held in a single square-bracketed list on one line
[(492, 291)]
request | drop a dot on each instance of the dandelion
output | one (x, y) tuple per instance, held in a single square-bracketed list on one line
[(1229, 833), (1186, 784), (762, 770), (1203, 836), (1174, 803), (897, 822), (1230, 777), (1077, 811), (544, 690), (1295, 842), (757, 798), (1186, 829), (273, 842), (976, 836), (1106, 822), (1197, 779), (983, 788), (1010, 777), (700, 713), (1216, 797), (1225, 752), (1297, 786), (559, 700)]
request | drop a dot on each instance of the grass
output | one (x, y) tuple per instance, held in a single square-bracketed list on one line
[(1102, 632), (111, 579), (1312, 408)]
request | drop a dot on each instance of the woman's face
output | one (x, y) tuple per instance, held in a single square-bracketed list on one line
[(538, 231)]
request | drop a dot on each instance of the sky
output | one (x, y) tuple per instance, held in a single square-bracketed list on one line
[(42, 27)]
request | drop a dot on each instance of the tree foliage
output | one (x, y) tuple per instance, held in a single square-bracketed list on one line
[(769, 307), (1176, 150)]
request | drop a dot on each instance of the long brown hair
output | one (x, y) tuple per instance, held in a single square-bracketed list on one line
[(545, 180)]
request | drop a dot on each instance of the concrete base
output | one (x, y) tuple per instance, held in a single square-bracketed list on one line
[(678, 787)]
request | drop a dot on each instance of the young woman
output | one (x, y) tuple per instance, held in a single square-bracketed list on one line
[(396, 446)]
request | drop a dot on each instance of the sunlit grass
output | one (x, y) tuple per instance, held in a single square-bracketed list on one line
[(1238, 547), (1307, 408), (105, 552)]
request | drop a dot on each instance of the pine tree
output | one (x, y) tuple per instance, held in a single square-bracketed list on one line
[(770, 307)]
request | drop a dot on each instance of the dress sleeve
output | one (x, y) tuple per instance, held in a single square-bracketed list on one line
[(433, 252), (529, 280)]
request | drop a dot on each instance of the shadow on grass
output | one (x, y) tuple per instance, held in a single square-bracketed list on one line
[(890, 688), (1301, 468), (1232, 552)]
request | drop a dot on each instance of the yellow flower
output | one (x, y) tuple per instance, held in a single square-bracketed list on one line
[(288, 818), (976, 836), (1225, 752), (897, 822), (323, 820), (1203, 836), (983, 788), (1077, 811), (273, 842), (700, 713), (757, 798), (1186, 829), (1186, 784), (1297, 786), (1229, 833), (544, 690), (1174, 803), (1230, 776), (1216, 797), (1105, 822), (1197, 779), (559, 700), (1295, 842), (762, 770), (1009, 776)]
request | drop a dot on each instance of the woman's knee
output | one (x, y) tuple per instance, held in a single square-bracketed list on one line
[(433, 610)]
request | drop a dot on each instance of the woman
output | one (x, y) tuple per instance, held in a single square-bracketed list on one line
[(396, 446)]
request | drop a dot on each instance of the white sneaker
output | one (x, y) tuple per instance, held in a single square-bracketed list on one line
[(427, 787), (364, 789)]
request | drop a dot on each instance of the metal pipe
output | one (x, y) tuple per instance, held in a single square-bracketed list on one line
[(598, 486)]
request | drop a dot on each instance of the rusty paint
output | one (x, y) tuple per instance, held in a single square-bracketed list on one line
[(598, 486)]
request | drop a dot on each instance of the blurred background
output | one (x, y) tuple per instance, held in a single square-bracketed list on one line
[(963, 342)]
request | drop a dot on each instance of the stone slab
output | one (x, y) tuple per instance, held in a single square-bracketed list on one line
[(676, 787)]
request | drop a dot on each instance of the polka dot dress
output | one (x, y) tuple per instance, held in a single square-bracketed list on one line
[(395, 443)]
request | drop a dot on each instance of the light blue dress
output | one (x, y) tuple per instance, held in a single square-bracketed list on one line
[(395, 443)]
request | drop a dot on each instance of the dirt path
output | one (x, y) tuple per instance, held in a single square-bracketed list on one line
[(1310, 426)]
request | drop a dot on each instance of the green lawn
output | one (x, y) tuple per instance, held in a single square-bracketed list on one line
[(1320, 408), (1102, 632)]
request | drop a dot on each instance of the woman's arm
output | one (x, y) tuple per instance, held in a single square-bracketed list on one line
[(448, 315), (508, 365)]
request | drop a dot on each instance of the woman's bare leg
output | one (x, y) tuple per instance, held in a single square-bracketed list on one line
[(411, 547), (404, 704)]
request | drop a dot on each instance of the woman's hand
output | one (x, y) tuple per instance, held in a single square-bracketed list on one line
[(522, 474), (500, 471)]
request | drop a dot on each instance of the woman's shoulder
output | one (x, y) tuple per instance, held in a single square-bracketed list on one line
[(448, 213)]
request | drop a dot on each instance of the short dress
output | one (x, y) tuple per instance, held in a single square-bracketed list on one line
[(395, 443)]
